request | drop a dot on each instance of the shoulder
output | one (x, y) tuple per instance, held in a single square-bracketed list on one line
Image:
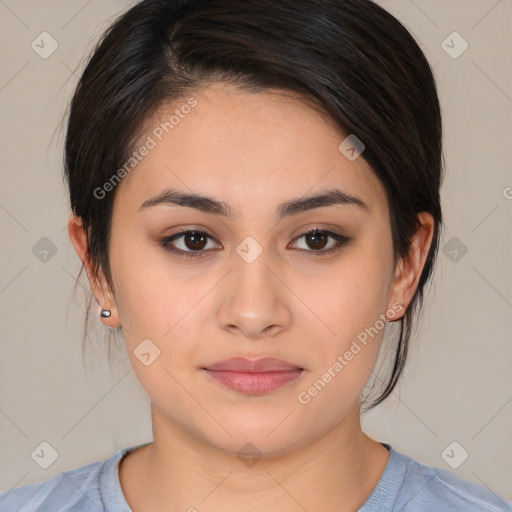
[(426, 488), (77, 490)]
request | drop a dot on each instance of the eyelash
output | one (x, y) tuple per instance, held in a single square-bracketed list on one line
[(340, 241)]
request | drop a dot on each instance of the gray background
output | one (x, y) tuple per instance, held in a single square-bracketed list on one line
[(457, 386)]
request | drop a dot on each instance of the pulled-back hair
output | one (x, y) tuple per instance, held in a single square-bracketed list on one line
[(350, 59)]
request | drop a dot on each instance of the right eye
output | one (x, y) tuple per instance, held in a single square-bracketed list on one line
[(193, 243)]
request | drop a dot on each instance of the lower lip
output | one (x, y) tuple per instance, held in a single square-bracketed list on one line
[(254, 383)]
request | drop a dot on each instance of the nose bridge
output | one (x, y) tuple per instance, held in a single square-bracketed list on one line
[(254, 280), (252, 263), (255, 300)]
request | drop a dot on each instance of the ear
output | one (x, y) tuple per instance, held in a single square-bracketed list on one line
[(99, 286), (408, 269)]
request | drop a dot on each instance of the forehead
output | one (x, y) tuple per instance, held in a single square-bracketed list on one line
[(249, 149)]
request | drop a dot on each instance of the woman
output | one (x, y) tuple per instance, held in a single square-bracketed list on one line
[(255, 196)]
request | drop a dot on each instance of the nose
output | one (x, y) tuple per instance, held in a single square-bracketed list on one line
[(254, 304)]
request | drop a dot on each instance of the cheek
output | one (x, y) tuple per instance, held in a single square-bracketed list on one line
[(351, 302), (344, 359), (147, 284), (159, 315), (350, 296), (171, 305)]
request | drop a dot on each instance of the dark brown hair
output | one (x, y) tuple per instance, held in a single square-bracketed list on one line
[(353, 60)]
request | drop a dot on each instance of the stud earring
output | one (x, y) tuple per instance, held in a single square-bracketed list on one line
[(105, 313)]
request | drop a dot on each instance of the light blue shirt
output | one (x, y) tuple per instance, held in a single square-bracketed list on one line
[(405, 486)]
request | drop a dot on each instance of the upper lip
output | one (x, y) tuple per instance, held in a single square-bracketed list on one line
[(263, 364)]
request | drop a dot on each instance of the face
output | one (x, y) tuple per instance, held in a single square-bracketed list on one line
[(250, 282)]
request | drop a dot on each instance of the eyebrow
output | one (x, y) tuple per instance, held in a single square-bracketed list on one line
[(292, 207)]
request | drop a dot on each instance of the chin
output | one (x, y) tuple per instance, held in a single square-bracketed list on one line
[(260, 435), (250, 447)]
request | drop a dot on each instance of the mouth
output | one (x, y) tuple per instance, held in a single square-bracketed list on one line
[(254, 376)]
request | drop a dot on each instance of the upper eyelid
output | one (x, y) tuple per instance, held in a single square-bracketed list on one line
[(181, 234)]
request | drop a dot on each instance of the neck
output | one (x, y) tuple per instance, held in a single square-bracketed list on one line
[(181, 472)]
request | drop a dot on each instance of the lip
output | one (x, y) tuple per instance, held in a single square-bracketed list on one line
[(262, 364), (254, 376)]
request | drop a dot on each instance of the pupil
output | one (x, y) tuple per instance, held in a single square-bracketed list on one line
[(317, 236), (195, 238)]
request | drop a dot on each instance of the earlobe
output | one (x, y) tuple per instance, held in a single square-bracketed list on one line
[(78, 238), (409, 269)]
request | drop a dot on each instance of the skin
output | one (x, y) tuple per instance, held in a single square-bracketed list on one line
[(253, 151)]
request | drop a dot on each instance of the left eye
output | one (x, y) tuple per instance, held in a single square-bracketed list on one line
[(195, 243), (318, 238)]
